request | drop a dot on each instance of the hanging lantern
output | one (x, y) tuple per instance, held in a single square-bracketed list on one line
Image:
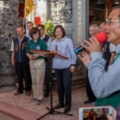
[(37, 20), (29, 6)]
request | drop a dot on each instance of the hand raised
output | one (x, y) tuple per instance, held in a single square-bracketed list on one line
[(92, 45), (84, 57)]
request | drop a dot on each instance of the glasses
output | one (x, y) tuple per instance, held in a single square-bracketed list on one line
[(109, 22)]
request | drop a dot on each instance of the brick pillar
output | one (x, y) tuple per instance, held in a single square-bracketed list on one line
[(8, 22)]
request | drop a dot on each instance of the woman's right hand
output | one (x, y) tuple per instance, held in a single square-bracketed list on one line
[(30, 57), (55, 51)]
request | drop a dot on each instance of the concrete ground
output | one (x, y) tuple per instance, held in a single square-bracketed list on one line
[(4, 116), (25, 108)]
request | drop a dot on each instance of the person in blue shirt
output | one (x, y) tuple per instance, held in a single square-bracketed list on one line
[(63, 67), (105, 84)]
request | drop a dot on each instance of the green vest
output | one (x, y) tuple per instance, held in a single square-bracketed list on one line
[(113, 100)]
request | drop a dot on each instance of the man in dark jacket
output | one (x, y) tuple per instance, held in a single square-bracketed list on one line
[(46, 38), (20, 61)]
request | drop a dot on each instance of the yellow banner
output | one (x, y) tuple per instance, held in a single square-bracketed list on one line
[(29, 6)]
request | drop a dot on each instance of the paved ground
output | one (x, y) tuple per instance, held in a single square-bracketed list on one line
[(4, 116), (23, 102)]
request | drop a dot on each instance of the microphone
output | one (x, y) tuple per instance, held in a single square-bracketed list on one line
[(101, 37), (56, 48)]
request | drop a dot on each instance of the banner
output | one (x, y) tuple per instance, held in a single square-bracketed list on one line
[(37, 20), (21, 9)]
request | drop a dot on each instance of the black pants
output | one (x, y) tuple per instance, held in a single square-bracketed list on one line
[(23, 73), (64, 80), (89, 91), (48, 70)]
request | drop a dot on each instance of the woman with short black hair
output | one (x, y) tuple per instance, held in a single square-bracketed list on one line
[(63, 67), (37, 63)]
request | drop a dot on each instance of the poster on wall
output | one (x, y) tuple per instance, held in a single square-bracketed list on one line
[(21, 9)]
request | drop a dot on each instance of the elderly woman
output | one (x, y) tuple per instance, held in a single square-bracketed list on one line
[(63, 67), (37, 63)]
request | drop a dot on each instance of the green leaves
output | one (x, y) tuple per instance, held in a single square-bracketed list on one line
[(49, 27)]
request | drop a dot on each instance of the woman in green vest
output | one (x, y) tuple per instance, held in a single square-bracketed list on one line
[(37, 64)]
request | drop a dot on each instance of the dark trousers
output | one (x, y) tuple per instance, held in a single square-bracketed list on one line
[(64, 79), (23, 73), (89, 91), (48, 71)]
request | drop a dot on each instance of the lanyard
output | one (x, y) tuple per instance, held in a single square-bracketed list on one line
[(115, 58)]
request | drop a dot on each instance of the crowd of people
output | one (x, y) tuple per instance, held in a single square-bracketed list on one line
[(33, 69), (96, 114), (101, 60)]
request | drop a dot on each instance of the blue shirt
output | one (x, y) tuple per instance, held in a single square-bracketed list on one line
[(65, 48), (104, 83)]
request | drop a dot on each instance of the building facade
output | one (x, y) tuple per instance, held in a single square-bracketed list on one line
[(74, 15)]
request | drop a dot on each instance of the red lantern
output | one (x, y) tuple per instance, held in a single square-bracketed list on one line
[(37, 20)]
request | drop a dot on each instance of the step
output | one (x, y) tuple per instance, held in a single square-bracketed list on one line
[(17, 112)]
